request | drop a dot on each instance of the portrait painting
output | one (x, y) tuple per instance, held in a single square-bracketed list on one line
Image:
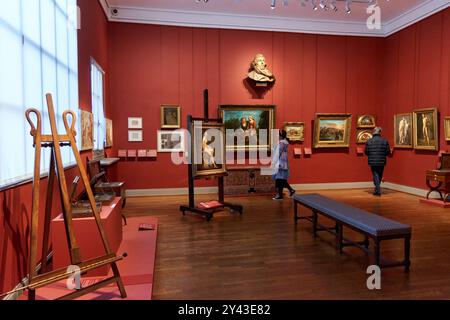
[(425, 128), (332, 130), (170, 117), (208, 149), (87, 132), (295, 131), (362, 136), (171, 141), (366, 121), (248, 127), (447, 128), (109, 133), (403, 130)]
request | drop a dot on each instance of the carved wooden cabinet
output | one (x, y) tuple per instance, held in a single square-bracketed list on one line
[(244, 180)]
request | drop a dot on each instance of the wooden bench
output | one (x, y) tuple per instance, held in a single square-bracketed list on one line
[(370, 225)]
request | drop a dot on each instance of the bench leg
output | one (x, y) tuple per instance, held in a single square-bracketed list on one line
[(295, 212), (407, 253), (339, 237), (315, 218), (377, 253), (366, 242)]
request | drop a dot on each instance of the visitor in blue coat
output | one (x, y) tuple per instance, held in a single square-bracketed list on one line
[(281, 167)]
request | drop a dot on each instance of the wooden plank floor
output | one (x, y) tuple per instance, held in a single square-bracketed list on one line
[(262, 255)]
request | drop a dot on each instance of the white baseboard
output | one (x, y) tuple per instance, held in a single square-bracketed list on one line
[(299, 187), (410, 190)]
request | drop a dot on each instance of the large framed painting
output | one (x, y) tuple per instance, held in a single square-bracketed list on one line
[(403, 130), (425, 127), (208, 149), (447, 128), (248, 126), (109, 133), (366, 121), (87, 130), (170, 117), (171, 141), (332, 130), (295, 131)]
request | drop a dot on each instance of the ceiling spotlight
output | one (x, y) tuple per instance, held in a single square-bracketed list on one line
[(323, 5), (314, 4), (274, 3), (333, 6)]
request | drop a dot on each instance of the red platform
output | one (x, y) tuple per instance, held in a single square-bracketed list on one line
[(136, 269), (88, 237), (436, 203)]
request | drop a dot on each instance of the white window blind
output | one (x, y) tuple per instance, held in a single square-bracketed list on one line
[(97, 90), (38, 55)]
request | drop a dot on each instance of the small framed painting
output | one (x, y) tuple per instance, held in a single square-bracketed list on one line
[(363, 136), (170, 117), (135, 136), (447, 128), (171, 141), (87, 133), (295, 131), (366, 121), (134, 123), (109, 133)]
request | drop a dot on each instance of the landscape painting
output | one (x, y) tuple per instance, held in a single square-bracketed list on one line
[(332, 130)]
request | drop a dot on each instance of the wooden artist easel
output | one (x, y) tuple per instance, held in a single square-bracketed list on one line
[(208, 213), (55, 142)]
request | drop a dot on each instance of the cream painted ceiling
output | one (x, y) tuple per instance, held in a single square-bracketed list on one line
[(296, 16)]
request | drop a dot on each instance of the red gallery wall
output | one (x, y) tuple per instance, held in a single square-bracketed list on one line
[(416, 75), (154, 65), (15, 203)]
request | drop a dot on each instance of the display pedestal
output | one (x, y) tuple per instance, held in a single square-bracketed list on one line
[(88, 237), (245, 180), (436, 203)]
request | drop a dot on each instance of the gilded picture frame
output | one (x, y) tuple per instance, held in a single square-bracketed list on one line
[(425, 127), (208, 149), (295, 131), (87, 130), (447, 128), (247, 122), (366, 121), (170, 116), (403, 131), (362, 136), (109, 133), (332, 130)]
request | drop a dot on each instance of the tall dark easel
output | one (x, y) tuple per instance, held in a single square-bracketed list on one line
[(208, 213), (55, 142)]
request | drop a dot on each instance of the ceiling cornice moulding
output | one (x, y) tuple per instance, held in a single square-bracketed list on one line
[(264, 23)]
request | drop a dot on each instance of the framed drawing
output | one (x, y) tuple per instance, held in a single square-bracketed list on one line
[(362, 136), (425, 128), (170, 117), (171, 141), (248, 126), (134, 123), (135, 136), (332, 130), (366, 121), (109, 133), (208, 149), (447, 128), (87, 133), (403, 130), (295, 131)]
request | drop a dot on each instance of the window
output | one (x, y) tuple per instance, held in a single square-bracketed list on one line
[(38, 55), (97, 76)]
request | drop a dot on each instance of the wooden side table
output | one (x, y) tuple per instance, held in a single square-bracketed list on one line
[(438, 181)]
